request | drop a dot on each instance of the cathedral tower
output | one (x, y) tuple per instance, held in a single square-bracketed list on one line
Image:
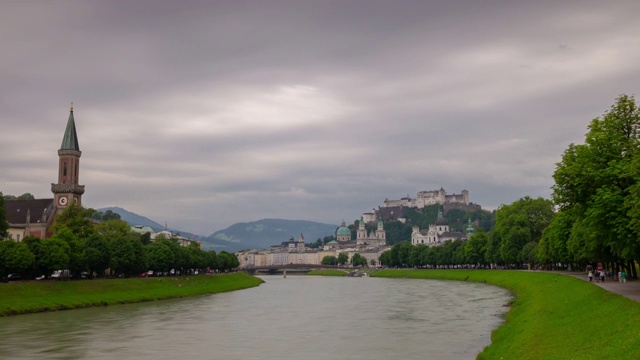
[(67, 189)]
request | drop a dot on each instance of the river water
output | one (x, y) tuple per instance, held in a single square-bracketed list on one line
[(299, 318)]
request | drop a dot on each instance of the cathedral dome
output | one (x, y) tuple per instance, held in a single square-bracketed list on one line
[(343, 230)]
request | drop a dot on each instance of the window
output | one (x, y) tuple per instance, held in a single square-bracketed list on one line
[(64, 169)]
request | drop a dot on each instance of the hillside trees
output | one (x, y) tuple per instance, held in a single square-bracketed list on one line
[(597, 187), (520, 226)]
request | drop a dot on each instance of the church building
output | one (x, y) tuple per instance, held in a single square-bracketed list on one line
[(437, 233), (35, 217)]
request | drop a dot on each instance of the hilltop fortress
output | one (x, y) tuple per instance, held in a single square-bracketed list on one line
[(394, 209)]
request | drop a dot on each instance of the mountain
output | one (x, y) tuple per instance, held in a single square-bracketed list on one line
[(249, 235), (135, 219), (266, 232)]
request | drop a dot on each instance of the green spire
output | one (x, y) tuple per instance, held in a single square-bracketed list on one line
[(70, 139)]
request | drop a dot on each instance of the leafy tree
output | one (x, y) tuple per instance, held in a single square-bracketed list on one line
[(77, 261), (145, 238), (520, 223), (329, 260), (54, 256), (127, 256), (475, 247), (113, 229), (75, 218), (35, 247), (97, 254), (598, 184), (342, 258), (159, 256), (15, 257), (358, 260)]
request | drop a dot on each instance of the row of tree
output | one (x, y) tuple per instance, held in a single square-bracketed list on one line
[(343, 259), (593, 217), (106, 248)]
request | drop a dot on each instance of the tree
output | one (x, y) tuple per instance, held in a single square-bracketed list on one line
[(97, 254), (4, 223), (75, 218), (76, 251), (127, 256), (55, 255), (329, 260), (15, 257), (598, 185), (342, 258), (159, 256), (520, 223), (474, 248), (358, 260)]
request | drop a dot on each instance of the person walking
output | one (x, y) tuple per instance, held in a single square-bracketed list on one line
[(623, 276), (590, 275), (602, 275), (619, 276)]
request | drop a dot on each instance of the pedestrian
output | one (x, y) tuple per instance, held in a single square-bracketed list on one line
[(619, 276), (602, 275), (590, 275), (623, 276)]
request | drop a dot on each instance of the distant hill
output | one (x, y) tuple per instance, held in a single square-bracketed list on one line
[(266, 232), (250, 235), (135, 219)]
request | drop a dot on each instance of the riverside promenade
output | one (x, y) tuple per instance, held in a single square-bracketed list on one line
[(630, 289)]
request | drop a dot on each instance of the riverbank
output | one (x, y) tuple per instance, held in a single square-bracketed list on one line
[(552, 317), (30, 297)]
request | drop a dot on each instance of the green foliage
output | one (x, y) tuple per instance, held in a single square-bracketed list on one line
[(342, 258), (76, 219), (358, 260), (54, 256), (97, 254), (329, 260), (597, 186), (520, 223), (15, 258)]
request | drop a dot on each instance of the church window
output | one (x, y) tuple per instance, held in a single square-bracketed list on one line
[(64, 169)]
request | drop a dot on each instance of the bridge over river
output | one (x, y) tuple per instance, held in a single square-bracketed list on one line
[(291, 268)]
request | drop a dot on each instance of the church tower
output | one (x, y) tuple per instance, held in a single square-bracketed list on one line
[(67, 190)]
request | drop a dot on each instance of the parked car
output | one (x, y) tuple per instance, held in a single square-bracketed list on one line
[(59, 274), (13, 277)]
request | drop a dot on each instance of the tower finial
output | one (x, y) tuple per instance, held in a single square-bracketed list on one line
[(72, 106)]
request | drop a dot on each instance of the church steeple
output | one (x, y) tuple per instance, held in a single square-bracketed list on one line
[(70, 139), (67, 190)]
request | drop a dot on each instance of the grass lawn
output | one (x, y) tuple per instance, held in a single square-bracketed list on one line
[(553, 316), (35, 296), (328, 272)]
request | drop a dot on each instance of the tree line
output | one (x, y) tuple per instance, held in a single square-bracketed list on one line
[(593, 215), (107, 248)]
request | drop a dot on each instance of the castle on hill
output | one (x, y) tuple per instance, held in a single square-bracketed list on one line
[(393, 210)]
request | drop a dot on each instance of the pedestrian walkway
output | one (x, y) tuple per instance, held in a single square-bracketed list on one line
[(630, 289)]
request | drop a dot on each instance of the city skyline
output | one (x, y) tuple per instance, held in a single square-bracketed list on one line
[(204, 114)]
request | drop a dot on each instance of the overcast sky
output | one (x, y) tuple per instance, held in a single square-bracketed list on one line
[(207, 113)]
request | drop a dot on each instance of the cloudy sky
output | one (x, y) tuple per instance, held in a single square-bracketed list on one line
[(207, 113)]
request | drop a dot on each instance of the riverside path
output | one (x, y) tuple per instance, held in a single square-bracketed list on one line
[(630, 289)]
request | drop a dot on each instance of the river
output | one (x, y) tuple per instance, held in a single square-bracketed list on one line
[(298, 317)]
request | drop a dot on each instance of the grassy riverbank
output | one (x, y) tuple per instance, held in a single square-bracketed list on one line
[(328, 272), (30, 297), (553, 316)]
